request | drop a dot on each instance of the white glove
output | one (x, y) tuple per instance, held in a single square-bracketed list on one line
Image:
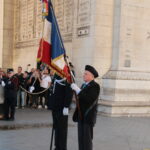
[(65, 111), (3, 83), (75, 88), (32, 88)]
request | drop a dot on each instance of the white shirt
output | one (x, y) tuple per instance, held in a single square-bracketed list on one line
[(46, 79)]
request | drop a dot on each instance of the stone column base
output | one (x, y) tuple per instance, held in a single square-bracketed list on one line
[(125, 93), (130, 109)]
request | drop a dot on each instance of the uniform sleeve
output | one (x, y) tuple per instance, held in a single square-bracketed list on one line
[(15, 83)]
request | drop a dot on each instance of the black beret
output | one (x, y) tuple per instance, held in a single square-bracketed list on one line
[(92, 70), (10, 70)]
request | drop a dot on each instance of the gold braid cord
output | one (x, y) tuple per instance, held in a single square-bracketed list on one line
[(34, 93)]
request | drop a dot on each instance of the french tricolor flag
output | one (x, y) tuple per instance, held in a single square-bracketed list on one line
[(51, 50)]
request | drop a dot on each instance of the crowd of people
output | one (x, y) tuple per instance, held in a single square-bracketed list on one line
[(31, 87), (43, 88)]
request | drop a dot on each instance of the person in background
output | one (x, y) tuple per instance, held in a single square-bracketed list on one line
[(24, 84), (45, 83), (31, 72), (88, 99), (72, 68), (19, 75), (34, 87), (2, 76), (10, 95), (52, 74), (28, 85), (2, 83)]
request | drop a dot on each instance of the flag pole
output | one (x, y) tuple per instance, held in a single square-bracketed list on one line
[(72, 78)]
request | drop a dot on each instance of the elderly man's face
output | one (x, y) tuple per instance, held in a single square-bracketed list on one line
[(88, 76)]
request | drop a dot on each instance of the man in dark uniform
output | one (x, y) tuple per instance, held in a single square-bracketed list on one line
[(10, 95), (61, 99), (88, 99)]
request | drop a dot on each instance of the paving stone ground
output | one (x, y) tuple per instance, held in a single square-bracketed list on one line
[(32, 130)]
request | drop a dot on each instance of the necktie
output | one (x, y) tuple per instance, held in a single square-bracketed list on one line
[(83, 86)]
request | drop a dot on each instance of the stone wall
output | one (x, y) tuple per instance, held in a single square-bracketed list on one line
[(6, 33), (126, 85), (27, 32), (112, 35), (85, 25), (1, 31)]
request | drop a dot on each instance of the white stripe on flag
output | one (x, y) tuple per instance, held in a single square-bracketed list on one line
[(47, 31), (60, 63)]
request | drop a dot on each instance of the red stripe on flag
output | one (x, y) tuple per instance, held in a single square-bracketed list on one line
[(67, 72), (44, 52)]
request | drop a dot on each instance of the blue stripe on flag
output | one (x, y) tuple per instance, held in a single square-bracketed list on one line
[(57, 47)]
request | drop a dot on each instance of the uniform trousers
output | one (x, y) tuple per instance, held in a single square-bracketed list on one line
[(45, 95), (60, 124), (9, 110), (85, 136)]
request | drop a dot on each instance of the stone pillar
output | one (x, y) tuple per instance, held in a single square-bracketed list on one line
[(126, 86), (92, 37), (6, 33), (1, 30), (8, 25)]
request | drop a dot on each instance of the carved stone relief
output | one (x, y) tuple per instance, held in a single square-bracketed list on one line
[(83, 17), (28, 20)]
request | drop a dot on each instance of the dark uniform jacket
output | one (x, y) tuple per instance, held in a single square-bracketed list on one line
[(11, 87), (61, 95), (88, 99)]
